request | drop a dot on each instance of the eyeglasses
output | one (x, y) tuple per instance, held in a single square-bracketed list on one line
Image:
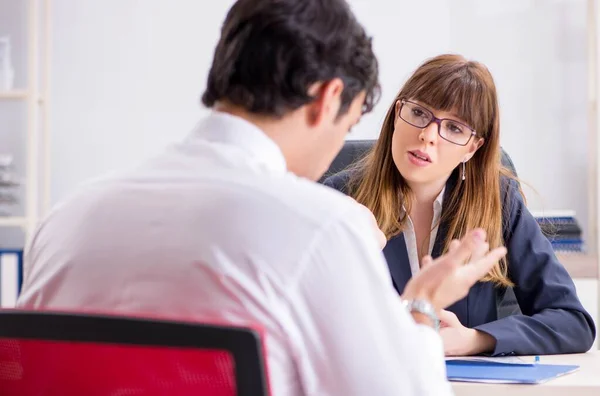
[(450, 130)]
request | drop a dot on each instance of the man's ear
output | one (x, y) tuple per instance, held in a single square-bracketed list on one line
[(327, 103)]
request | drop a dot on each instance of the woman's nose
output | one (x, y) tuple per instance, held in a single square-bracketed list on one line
[(429, 133)]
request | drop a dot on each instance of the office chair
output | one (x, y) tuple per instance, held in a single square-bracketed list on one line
[(354, 150), (52, 353)]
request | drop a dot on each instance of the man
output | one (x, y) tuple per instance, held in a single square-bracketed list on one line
[(229, 224)]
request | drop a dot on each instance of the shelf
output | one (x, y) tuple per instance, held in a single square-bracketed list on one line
[(579, 265), (13, 221), (13, 95)]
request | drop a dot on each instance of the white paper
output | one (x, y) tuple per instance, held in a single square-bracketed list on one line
[(498, 360)]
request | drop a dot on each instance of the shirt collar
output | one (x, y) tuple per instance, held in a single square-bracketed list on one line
[(439, 200), (226, 128)]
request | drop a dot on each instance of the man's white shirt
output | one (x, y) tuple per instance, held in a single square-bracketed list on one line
[(216, 228)]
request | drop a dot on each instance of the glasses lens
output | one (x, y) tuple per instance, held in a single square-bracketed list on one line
[(415, 115), (455, 132)]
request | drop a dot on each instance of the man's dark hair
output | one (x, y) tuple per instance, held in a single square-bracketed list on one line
[(271, 51)]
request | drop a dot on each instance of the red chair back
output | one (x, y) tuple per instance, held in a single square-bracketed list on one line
[(44, 353)]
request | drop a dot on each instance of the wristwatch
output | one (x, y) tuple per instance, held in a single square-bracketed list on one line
[(423, 307)]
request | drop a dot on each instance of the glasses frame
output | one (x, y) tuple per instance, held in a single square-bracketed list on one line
[(438, 121)]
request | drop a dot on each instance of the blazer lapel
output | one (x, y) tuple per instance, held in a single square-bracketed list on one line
[(461, 307), (396, 256)]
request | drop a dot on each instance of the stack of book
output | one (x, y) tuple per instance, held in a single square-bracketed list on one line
[(9, 184), (11, 260), (562, 229)]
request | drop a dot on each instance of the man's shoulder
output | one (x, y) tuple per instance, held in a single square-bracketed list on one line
[(286, 202), (308, 201)]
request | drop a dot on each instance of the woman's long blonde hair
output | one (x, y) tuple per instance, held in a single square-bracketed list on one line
[(445, 83)]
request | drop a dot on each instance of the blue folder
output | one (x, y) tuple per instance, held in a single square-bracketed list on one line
[(481, 371)]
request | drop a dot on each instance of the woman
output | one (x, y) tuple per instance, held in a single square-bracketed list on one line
[(435, 173)]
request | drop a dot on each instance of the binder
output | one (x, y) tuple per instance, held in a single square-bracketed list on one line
[(562, 230), (11, 275), (504, 373)]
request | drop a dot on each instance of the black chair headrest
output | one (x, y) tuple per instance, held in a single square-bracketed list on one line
[(354, 150)]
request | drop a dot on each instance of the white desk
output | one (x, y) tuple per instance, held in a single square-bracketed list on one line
[(584, 382)]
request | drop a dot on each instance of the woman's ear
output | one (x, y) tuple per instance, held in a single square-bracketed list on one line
[(472, 150), (480, 142), (476, 145), (398, 105)]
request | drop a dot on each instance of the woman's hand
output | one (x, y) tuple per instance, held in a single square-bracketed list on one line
[(447, 279), (460, 340)]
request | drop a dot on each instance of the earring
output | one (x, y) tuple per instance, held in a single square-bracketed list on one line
[(464, 176)]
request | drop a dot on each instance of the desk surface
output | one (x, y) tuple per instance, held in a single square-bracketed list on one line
[(583, 382)]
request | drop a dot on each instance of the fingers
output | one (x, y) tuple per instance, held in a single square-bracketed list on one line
[(467, 246), (453, 245), (480, 251), (448, 318), (479, 268), (425, 261)]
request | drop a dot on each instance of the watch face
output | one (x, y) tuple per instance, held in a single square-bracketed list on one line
[(425, 308)]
